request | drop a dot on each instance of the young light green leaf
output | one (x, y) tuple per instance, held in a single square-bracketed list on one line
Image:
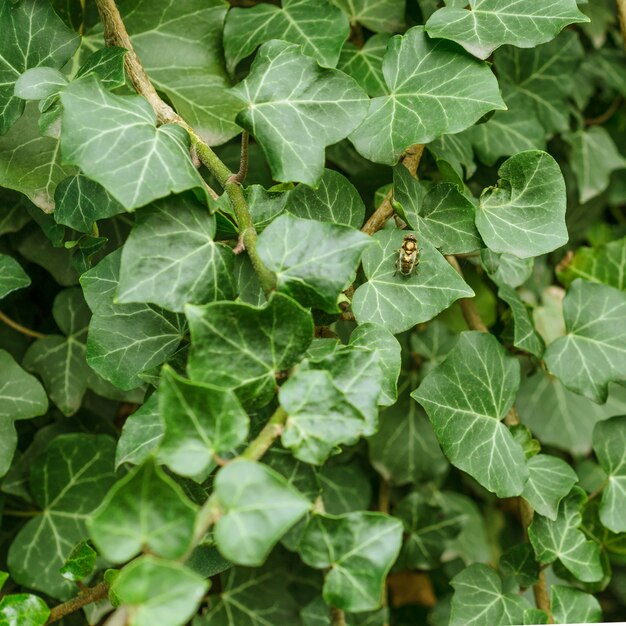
[(550, 479), (39, 83), (294, 108), (313, 261), (466, 397), (334, 200), (365, 64), (488, 24), (571, 606), (593, 352), (200, 421), (80, 562), (23, 609), (159, 592), (12, 276), (170, 258), (506, 269), (67, 482), (142, 433), (609, 444), (378, 15), (132, 517), (149, 162), (525, 335), (399, 302), (593, 157), (107, 64), (125, 339), (417, 107), (561, 539), (32, 35), (479, 598), (359, 548), (259, 507), (525, 214), (241, 347), (317, 25)]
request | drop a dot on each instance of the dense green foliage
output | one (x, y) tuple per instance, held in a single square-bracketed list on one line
[(231, 395)]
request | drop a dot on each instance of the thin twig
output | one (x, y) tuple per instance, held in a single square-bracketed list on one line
[(472, 317), (607, 115), (19, 328), (240, 176), (621, 14), (264, 440), (337, 617), (89, 595)]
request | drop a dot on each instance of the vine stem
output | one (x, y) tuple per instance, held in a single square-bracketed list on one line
[(85, 597), (337, 617), (621, 14), (472, 317), (19, 328), (115, 34)]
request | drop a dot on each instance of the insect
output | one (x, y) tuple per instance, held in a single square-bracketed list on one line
[(408, 256)]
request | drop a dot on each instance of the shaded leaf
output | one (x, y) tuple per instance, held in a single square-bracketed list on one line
[(519, 562), (12, 276), (108, 65), (377, 15), (525, 335), (365, 64), (141, 435), (345, 488), (506, 269), (573, 606)]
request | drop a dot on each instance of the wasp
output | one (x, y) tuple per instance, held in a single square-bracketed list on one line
[(408, 256)]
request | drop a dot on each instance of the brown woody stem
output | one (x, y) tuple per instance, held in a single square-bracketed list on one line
[(85, 597)]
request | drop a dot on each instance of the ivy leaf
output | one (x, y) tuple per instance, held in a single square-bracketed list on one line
[(80, 202), (39, 83), (159, 591), (259, 507), (593, 157), (141, 435), (80, 562), (33, 35), (125, 339), (399, 302), (365, 64), (12, 276), (593, 352), (23, 397), (506, 269), (170, 257), (525, 214), (344, 488), (108, 65), (334, 200), (417, 107), (318, 25), (23, 609), (488, 24), (200, 421), (443, 215), (466, 397), (241, 347), (479, 598), (526, 336), (313, 260), (149, 162), (359, 548), (67, 482), (571, 606), (132, 517), (519, 562), (561, 539), (377, 15), (609, 439), (550, 479)]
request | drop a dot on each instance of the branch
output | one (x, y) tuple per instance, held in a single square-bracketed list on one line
[(337, 617), (468, 306), (85, 597), (19, 328), (621, 14)]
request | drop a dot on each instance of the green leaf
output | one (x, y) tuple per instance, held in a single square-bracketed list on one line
[(479, 598), (313, 261), (365, 64), (108, 65), (573, 606), (427, 530), (125, 339), (12, 276), (506, 269), (601, 264), (593, 157), (180, 45), (488, 24), (80, 202), (32, 35), (39, 83), (200, 421), (561, 539), (149, 162), (23, 397), (170, 258), (466, 397), (376, 15), (359, 548), (345, 488), (334, 200), (67, 482), (132, 518), (142, 434), (317, 25), (294, 108), (443, 215), (399, 302), (526, 336), (525, 214), (259, 507), (519, 562), (23, 609), (609, 443), (418, 107), (80, 562), (159, 592), (265, 205), (241, 347), (593, 352), (550, 480)]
